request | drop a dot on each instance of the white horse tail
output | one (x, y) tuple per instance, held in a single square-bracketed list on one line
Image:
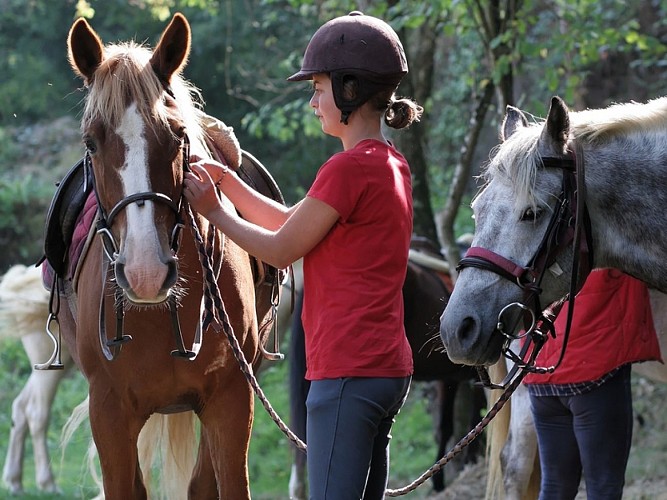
[(77, 417), (496, 436), (23, 301), (168, 443), (512, 458)]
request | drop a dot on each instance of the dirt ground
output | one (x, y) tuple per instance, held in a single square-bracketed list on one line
[(646, 475), (470, 485)]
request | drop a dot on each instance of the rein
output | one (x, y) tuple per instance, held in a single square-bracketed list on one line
[(214, 308), (220, 312)]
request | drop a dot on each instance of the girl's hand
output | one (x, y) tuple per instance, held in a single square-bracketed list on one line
[(216, 170), (199, 189)]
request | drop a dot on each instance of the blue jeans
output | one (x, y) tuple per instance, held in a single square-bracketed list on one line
[(348, 433), (590, 432)]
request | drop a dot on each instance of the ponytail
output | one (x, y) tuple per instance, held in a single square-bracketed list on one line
[(402, 113)]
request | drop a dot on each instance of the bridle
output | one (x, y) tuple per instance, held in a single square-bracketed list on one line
[(105, 220), (111, 347), (569, 224)]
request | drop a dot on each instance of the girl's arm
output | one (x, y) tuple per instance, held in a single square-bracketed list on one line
[(268, 231), (254, 207)]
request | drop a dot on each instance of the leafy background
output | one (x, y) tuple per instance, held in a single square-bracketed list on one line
[(591, 52)]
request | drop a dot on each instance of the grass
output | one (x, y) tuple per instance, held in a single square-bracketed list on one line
[(413, 448), (73, 477)]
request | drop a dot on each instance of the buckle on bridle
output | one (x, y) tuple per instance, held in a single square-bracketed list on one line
[(500, 326)]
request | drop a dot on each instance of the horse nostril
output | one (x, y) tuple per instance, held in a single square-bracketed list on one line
[(121, 279), (466, 328), (172, 274)]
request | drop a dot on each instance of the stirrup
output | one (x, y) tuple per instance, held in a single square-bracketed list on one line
[(276, 355), (55, 361)]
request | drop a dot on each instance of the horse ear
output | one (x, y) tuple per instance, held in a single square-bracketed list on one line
[(171, 53), (514, 120), (84, 50), (557, 128)]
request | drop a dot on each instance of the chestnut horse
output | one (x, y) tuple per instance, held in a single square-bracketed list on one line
[(140, 116)]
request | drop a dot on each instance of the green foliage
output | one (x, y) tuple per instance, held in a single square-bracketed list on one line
[(22, 209), (72, 473), (10, 154), (32, 62)]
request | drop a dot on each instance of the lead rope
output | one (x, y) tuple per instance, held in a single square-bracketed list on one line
[(212, 288), (220, 311), (213, 291), (465, 441)]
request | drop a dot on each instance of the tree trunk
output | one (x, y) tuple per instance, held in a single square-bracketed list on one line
[(418, 84), (461, 176)]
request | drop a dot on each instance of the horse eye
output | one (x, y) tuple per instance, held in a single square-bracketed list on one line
[(90, 145), (531, 214)]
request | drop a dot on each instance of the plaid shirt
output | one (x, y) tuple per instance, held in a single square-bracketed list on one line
[(569, 389)]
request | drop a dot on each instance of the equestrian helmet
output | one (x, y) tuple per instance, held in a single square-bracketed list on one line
[(355, 45)]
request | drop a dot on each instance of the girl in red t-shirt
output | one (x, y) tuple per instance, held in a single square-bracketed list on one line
[(353, 230)]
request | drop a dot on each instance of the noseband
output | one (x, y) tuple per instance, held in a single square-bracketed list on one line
[(570, 223)]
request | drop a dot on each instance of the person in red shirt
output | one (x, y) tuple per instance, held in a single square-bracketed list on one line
[(583, 410), (353, 231)]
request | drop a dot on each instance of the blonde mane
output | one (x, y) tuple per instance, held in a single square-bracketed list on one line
[(515, 160), (126, 71), (597, 124)]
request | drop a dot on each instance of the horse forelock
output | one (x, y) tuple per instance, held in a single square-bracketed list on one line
[(619, 119), (516, 160), (125, 75)]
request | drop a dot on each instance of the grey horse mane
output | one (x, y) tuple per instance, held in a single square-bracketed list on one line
[(516, 159)]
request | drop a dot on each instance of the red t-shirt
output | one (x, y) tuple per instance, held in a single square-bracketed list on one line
[(353, 279)]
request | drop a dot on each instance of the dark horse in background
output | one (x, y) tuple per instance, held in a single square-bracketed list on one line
[(425, 294)]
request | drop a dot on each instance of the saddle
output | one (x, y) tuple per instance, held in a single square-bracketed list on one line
[(61, 218), (225, 148)]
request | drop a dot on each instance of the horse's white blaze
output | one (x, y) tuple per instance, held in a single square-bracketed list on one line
[(144, 269)]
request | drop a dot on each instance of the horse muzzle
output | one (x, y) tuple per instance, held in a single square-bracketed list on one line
[(145, 285)]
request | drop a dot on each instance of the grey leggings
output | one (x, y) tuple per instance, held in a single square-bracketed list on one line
[(348, 433)]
